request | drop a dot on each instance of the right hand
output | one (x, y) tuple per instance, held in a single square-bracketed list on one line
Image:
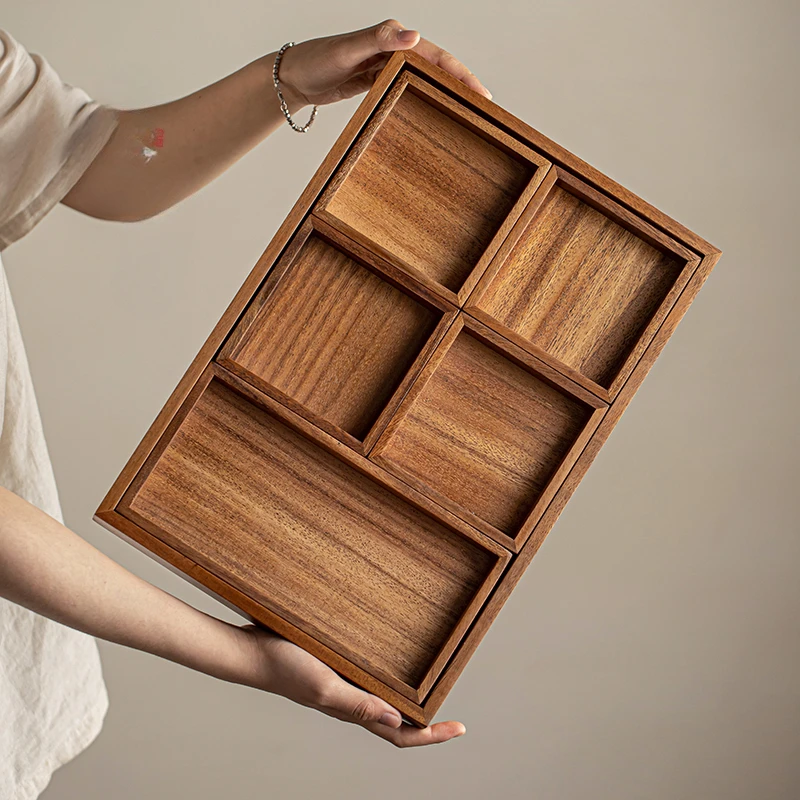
[(284, 668)]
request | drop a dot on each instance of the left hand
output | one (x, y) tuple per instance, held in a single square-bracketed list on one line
[(333, 68)]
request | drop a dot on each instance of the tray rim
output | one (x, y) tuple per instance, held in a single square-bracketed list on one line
[(557, 154), (470, 642)]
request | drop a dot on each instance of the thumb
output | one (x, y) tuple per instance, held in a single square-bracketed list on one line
[(384, 37), (355, 705)]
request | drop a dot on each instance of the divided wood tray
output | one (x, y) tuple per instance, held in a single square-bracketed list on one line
[(388, 419)]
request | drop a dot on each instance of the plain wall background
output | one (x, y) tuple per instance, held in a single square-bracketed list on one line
[(652, 648)]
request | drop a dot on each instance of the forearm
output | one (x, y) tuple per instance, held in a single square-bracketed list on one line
[(160, 155), (47, 568)]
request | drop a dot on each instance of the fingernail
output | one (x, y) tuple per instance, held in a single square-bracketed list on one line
[(406, 36), (392, 720)]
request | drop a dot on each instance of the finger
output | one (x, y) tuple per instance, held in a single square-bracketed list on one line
[(447, 61), (351, 704), (409, 736), (350, 49)]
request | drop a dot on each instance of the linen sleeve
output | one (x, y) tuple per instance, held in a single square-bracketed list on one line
[(50, 132)]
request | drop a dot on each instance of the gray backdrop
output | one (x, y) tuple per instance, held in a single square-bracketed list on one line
[(651, 650)]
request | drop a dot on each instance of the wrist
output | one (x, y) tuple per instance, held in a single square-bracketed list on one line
[(252, 658), (295, 99), (225, 651)]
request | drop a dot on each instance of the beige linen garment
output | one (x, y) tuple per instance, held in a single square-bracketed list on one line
[(52, 696)]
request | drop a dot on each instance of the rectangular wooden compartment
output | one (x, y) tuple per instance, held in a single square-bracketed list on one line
[(419, 135), (336, 334), (310, 536), (582, 281), (486, 434), (388, 419)]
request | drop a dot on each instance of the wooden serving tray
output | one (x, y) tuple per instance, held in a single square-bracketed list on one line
[(387, 421)]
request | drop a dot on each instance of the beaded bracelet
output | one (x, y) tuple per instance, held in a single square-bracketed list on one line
[(284, 107)]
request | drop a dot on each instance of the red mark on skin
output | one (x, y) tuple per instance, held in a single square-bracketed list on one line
[(158, 137)]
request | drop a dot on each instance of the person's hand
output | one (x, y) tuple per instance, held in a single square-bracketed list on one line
[(333, 68), (284, 668)]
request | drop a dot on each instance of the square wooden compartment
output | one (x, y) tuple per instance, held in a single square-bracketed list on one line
[(433, 187), (336, 334), (583, 281), (488, 432), (307, 529)]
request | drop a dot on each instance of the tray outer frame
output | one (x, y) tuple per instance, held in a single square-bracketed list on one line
[(706, 254)]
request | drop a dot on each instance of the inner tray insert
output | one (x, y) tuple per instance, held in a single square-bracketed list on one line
[(333, 340), (430, 189), (312, 538), (583, 280), (485, 436)]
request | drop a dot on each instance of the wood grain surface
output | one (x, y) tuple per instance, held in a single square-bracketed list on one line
[(480, 433), (236, 600), (579, 285), (308, 536), (335, 338), (430, 190)]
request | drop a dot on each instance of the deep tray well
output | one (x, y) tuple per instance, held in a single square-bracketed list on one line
[(440, 237)]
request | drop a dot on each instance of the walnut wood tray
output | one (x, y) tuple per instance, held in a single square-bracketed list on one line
[(388, 419)]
